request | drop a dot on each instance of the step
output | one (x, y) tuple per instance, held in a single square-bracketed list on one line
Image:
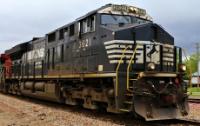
[(130, 87), (128, 102), (125, 110)]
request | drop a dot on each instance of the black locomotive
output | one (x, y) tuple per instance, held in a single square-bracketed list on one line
[(114, 57)]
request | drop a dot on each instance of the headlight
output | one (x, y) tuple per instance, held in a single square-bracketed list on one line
[(182, 68), (151, 66)]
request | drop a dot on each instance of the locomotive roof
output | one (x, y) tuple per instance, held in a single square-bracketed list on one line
[(103, 10), (93, 12), (23, 46), (38, 40), (82, 17), (111, 8), (17, 48)]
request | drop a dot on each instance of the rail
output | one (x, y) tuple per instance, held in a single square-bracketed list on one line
[(194, 100)]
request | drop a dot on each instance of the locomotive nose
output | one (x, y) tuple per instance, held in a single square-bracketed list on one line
[(145, 32)]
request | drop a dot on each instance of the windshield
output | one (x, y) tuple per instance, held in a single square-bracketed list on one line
[(120, 19), (115, 19)]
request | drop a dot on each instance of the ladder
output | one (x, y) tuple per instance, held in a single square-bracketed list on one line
[(128, 87), (129, 94), (128, 102)]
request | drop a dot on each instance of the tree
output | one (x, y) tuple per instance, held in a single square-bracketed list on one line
[(191, 63)]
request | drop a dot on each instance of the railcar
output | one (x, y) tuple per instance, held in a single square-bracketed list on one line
[(114, 57)]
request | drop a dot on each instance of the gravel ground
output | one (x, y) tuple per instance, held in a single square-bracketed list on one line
[(194, 111), (18, 111)]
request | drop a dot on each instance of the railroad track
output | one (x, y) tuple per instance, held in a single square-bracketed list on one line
[(193, 100), (191, 122), (177, 122)]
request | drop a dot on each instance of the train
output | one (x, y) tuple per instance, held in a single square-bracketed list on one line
[(113, 58)]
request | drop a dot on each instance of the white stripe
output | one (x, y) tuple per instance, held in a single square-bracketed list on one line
[(112, 46), (119, 51), (118, 56), (118, 46), (168, 46), (140, 46), (143, 42), (118, 41), (168, 59), (168, 55), (117, 61), (122, 46), (127, 42), (138, 42)]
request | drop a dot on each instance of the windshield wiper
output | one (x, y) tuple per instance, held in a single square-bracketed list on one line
[(125, 17), (111, 14)]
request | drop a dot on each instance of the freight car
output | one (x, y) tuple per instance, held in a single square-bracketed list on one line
[(114, 57)]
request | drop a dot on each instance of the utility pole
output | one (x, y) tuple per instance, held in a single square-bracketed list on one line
[(198, 69)]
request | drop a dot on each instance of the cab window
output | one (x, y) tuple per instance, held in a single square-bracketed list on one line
[(87, 24), (52, 37), (71, 30)]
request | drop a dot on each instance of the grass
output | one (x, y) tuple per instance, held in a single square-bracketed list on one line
[(194, 91)]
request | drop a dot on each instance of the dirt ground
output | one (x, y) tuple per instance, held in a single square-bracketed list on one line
[(21, 111)]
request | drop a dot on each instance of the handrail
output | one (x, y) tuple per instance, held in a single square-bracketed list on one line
[(190, 68), (117, 70), (128, 68)]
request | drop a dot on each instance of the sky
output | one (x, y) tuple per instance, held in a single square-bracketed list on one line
[(21, 20)]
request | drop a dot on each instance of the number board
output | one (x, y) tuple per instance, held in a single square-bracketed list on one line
[(127, 9), (122, 8)]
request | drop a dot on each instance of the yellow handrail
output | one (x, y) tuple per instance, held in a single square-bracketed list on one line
[(128, 68), (117, 70)]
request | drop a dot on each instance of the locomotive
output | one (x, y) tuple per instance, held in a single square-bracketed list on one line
[(114, 57)]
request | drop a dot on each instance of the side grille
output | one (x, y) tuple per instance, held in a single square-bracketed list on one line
[(168, 55), (115, 49)]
